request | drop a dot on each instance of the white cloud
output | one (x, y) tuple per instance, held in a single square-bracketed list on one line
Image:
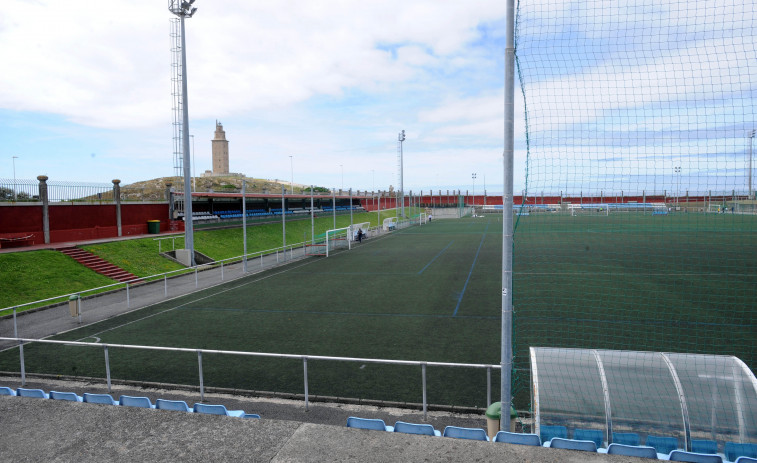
[(110, 66)]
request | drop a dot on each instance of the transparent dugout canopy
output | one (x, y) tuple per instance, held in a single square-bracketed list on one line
[(687, 396)]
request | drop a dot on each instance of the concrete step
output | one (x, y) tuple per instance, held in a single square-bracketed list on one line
[(97, 264)]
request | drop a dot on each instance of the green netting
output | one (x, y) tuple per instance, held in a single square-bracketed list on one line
[(640, 232)]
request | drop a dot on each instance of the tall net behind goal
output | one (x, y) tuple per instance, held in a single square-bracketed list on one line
[(640, 118)]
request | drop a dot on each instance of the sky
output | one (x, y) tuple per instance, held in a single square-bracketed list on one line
[(317, 92), (86, 92)]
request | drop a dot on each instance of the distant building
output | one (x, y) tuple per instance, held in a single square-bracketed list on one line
[(220, 151)]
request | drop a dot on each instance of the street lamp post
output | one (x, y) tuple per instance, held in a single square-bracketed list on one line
[(341, 166), (677, 170), (291, 178), (15, 196), (473, 202), (751, 140), (400, 139)]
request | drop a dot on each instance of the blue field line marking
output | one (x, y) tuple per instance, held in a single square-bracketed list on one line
[(352, 314), (462, 293), (435, 257)]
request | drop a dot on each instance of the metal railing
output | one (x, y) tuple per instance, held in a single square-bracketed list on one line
[(266, 258), (303, 358), (24, 190)]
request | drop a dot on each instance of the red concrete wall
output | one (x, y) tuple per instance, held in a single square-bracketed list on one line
[(80, 222)]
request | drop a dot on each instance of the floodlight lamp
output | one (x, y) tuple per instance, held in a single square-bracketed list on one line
[(185, 5), (192, 12)]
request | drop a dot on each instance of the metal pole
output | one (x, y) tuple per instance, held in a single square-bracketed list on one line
[(283, 222), (751, 140), (15, 196), (20, 349), (128, 302), (245, 259), (165, 285), (312, 218), (194, 166), (333, 204), (244, 229), (488, 386), (425, 404), (350, 210), (188, 223), (506, 360), (107, 366), (195, 276), (305, 373), (401, 139), (291, 170), (202, 382)]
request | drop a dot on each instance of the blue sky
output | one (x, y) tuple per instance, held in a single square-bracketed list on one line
[(86, 92)]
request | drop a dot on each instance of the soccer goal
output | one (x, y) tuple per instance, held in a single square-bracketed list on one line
[(315, 249), (422, 218), (365, 226), (589, 210), (338, 238)]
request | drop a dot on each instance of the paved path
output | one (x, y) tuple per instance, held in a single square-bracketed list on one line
[(57, 431)]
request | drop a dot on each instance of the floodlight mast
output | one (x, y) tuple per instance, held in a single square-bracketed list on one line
[(184, 9), (506, 355)]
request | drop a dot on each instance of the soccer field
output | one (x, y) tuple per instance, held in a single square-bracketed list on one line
[(433, 293)]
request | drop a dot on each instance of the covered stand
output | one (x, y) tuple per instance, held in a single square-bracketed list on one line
[(686, 396)]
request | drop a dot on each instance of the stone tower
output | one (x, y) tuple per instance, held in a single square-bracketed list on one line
[(220, 151)]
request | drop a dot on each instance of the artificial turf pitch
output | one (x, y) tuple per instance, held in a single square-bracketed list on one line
[(433, 293)]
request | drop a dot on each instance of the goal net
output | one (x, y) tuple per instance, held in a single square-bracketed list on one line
[(588, 210), (389, 224), (354, 228), (626, 111), (338, 238)]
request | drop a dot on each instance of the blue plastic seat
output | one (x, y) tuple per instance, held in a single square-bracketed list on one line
[(465, 433), (704, 446), (412, 428), (626, 438), (594, 435), (251, 415), (518, 438), (734, 450), (572, 444), (691, 457), (368, 423), (105, 399), (663, 444), (641, 451), (36, 393), (175, 405), (7, 391), (70, 396), (547, 433), (131, 401), (217, 410), (746, 460)]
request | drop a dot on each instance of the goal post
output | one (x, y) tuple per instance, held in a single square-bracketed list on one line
[(338, 238), (364, 226)]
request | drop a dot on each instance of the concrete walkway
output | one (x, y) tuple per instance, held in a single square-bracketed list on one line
[(56, 431)]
